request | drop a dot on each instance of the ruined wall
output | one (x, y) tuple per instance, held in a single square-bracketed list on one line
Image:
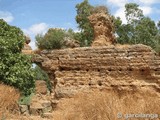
[(27, 49), (102, 24), (87, 68)]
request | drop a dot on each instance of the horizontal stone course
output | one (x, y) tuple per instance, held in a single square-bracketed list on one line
[(100, 67)]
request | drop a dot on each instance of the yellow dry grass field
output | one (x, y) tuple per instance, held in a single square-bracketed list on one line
[(108, 105), (8, 101), (95, 105)]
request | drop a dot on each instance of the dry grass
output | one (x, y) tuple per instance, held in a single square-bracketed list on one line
[(95, 105), (9, 109), (106, 105), (8, 101)]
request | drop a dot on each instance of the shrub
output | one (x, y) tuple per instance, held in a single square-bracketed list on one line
[(53, 39), (15, 67), (42, 75), (57, 38), (25, 100)]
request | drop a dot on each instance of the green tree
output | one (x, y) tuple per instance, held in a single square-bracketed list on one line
[(158, 25), (53, 39), (123, 31), (133, 13), (138, 30), (15, 67), (86, 35), (145, 32), (157, 41), (40, 42)]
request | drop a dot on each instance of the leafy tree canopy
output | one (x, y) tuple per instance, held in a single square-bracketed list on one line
[(84, 10), (15, 67), (55, 38), (138, 30)]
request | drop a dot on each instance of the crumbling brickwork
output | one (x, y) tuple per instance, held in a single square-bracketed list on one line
[(27, 49), (102, 24), (120, 67)]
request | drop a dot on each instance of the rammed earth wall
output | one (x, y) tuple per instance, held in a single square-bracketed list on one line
[(120, 67)]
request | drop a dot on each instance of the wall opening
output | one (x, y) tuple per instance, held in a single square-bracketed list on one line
[(130, 69), (42, 75), (100, 83), (110, 69)]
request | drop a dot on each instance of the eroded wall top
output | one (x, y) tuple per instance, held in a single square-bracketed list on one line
[(103, 28), (120, 67)]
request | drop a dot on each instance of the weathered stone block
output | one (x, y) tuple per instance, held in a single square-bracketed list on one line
[(100, 68), (24, 109), (41, 87)]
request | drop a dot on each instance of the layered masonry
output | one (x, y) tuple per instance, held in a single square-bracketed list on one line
[(105, 67)]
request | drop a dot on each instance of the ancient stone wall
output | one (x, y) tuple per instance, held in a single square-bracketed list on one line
[(27, 49), (102, 24), (120, 67)]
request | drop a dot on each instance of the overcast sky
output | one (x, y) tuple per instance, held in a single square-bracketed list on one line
[(36, 16)]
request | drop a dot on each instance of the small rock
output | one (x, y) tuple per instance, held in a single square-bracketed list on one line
[(48, 115), (41, 87), (46, 103), (24, 109)]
